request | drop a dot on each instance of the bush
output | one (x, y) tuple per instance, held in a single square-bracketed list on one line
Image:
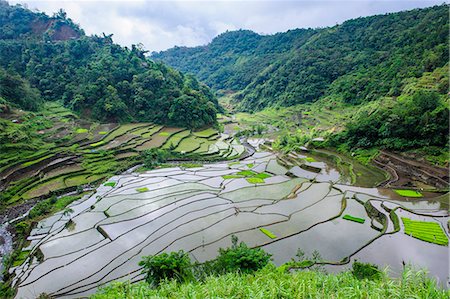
[(174, 265), (41, 208), (154, 157), (365, 271), (240, 258)]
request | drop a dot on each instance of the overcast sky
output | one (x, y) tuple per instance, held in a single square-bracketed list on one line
[(159, 25)]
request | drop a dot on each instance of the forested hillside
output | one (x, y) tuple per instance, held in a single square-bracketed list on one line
[(355, 62), (233, 59), (51, 59)]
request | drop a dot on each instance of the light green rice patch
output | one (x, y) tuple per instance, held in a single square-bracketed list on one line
[(206, 133), (250, 165), (97, 143), (262, 175), (408, 193), (268, 233), (255, 180), (246, 173), (81, 131), (310, 159), (143, 189), (354, 219), (425, 230), (164, 134), (110, 184), (231, 176), (102, 133)]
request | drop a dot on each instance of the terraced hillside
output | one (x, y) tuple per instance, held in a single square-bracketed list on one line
[(261, 199), (65, 152)]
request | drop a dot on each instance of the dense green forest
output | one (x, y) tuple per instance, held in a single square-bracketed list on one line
[(50, 58), (233, 59), (357, 61)]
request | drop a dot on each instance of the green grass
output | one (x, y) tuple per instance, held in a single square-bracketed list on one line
[(81, 131), (426, 231), (355, 219), (255, 180), (143, 189), (268, 233), (409, 193), (110, 184), (271, 282)]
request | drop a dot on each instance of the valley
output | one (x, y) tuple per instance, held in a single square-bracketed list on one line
[(315, 157)]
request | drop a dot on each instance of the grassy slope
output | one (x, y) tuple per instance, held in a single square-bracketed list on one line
[(271, 282)]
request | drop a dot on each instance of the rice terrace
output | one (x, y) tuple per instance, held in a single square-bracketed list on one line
[(308, 161)]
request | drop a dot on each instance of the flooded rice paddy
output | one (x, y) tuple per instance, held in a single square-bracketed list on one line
[(103, 237)]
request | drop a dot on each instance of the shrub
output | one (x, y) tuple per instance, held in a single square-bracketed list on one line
[(154, 157), (366, 271), (174, 265), (241, 258)]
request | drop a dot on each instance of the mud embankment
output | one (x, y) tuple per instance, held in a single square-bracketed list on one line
[(410, 173)]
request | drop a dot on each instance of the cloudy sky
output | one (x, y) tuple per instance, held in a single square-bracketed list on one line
[(159, 25)]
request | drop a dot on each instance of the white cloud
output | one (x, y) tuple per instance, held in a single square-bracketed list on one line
[(163, 24)]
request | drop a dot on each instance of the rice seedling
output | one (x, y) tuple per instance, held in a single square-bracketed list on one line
[(355, 219), (426, 231), (409, 193), (268, 233), (255, 180), (81, 131)]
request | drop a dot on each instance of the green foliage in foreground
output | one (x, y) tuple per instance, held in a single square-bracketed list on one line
[(425, 230), (355, 219), (178, 266), (409, 193), (171, 266), (270, 282)]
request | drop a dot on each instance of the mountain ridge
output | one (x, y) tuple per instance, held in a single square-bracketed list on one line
[(350, 61)]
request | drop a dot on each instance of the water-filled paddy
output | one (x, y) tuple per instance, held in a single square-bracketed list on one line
[(197, 210)]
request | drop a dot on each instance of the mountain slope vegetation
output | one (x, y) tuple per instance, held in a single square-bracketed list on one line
[(356, 62), (93, 76)]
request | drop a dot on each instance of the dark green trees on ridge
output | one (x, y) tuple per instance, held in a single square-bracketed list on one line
[(95, 77)]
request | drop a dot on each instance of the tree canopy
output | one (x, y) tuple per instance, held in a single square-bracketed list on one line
[(95, 77), (358, 61)]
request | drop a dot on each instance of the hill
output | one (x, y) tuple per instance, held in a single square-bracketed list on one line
[(93, 76), (358, 61)]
